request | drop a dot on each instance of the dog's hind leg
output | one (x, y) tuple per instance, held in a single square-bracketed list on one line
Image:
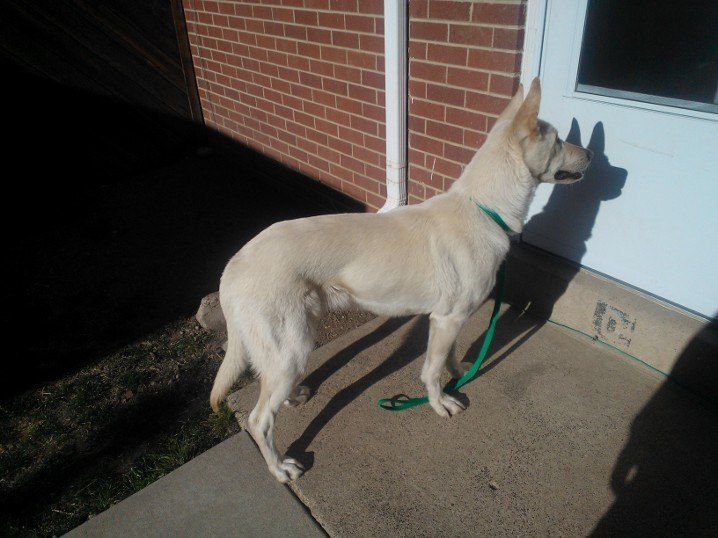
[(456, 368), (442, 336), (275, 388), (300, 395)]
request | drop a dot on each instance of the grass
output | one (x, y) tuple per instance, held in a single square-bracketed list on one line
[(72, 448)]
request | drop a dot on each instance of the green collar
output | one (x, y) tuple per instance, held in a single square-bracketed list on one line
[(494, 216)]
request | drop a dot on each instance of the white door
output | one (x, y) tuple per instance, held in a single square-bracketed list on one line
[(637, 82)]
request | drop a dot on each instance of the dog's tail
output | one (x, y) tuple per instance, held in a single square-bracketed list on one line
[(233, 365)]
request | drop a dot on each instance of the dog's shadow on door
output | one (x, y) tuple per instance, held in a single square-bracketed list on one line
[(569, 215)]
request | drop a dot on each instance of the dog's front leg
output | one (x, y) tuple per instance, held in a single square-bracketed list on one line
[(442, 336)]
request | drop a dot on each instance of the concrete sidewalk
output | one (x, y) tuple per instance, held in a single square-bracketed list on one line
[(223, 492), (561, 437)]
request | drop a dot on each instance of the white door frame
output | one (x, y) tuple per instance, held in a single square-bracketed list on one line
[(533, 40)]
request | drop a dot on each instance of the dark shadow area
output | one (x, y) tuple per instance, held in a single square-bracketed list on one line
[(666, 477), (118, 229)]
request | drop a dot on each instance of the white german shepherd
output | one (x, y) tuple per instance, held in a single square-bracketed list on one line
[(439, 258)]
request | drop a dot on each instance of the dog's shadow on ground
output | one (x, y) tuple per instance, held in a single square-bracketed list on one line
[(411, 348)]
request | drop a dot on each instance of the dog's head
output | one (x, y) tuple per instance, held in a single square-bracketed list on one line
[(548, 158)]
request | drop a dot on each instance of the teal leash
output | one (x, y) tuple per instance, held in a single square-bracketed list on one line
[(400, 402)]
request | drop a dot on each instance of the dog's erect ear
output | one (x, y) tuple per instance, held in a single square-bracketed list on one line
[(526, 119)]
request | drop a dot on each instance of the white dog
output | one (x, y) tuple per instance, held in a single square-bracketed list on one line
[(439, 258)]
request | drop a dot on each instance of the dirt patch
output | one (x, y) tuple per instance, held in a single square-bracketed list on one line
[(71, 448)]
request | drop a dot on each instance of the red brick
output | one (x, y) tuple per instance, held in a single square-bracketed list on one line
[(427, 71), (372, 79), (359, 23), (316, 4), (319, 35), (503, 85), (506, 62), (416, 124), (331, 20), (364, 125), (262, 12), (444, 94), (446, 54), (282, 14), (334, 86), (466, 34), (330, 54), (426, 109), (325, 127), (449, 9), (373, 7), (355, 192), (362, 93), (467, 78), (371, 43), (361, 59), (308, 79), (444, 131), (417, 89), (417, 50), (309, 50), (285, 45), (428, 31), (345, 39), (343, 5), (508, 38), (304, 119), (458, 153), (428, 145), (418, 9), (486, 103), (465, 118), (350, 105), (324, 98), (376, 113), (307, 18), (348, 74), (295, 32), (321, 68), (499, 13), (351, 135)]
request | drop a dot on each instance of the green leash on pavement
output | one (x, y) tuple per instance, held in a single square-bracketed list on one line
[(402, 401)]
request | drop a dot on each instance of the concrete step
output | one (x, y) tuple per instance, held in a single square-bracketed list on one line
[(225, 491)]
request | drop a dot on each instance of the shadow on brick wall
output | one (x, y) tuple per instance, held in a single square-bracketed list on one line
[(116, 227)]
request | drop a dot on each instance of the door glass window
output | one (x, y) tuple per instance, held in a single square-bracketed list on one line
[(657, 52)]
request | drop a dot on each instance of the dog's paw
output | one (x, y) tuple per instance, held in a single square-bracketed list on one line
[(458, 370), (446, 406), (288, 469), (299, 396)]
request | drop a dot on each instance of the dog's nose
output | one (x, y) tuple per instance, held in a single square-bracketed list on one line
[(589, 154)]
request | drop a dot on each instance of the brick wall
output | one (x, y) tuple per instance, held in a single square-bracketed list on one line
[(299, 80), (302, 81), (464, 63)]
